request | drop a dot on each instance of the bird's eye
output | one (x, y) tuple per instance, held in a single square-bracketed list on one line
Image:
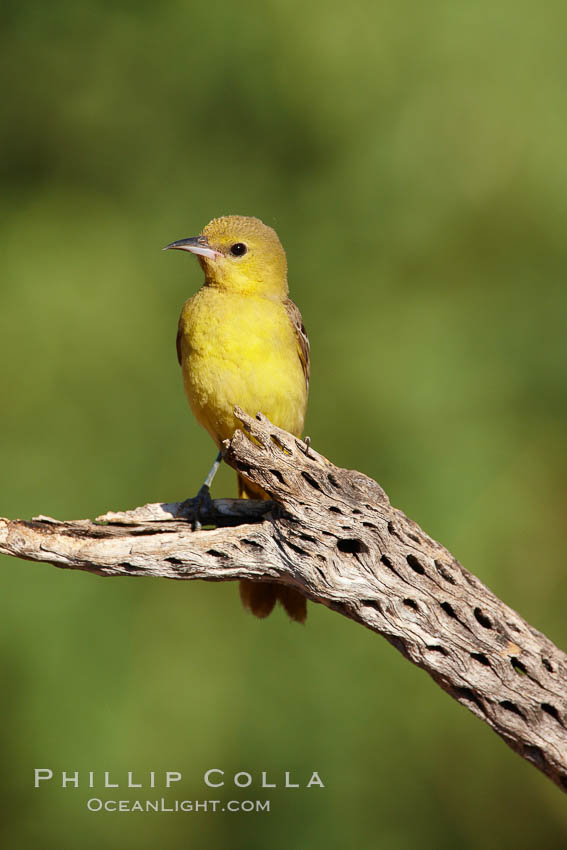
[(238, 249)]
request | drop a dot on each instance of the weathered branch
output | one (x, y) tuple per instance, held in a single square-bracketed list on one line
[(332, 534)]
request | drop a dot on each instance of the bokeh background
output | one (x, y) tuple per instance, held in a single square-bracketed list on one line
[(412, 158)]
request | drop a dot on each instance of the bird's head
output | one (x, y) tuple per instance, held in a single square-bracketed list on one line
[(239, 254)]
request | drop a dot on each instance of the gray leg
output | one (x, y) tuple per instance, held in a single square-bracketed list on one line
[(203, 498), (213, 471)]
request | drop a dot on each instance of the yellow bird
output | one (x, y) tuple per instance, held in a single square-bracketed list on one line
[(241, 341)]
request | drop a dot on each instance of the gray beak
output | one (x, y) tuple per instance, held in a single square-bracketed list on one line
[(195, 245)]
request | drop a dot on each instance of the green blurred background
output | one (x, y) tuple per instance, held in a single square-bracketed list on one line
[(412, 158)]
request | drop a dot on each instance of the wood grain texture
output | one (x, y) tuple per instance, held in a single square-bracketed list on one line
[(332, 534)]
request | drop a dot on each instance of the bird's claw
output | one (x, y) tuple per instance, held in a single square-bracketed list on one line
[(198, 507), (202, 504)]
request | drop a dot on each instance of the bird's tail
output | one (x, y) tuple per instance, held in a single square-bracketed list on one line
[(259, 597)]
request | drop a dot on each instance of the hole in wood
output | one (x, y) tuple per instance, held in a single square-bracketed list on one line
[(444, 572), (468, 696), (481, 658), (436, 648), (333, 481), (535, 755), (482, 618), (307, 538), (512, 707), (411, 603), (252, 543), (351, 546), (335, 510), (415, 565), (372, 603), (518, 666), (277, 474), (277, 441), (552, 711), (216, 554), (296, 548), (448, 609), (369, 525), (386, 561), (311, 481), (547, 664)]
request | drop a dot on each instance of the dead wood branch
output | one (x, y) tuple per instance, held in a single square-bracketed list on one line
[(332, 534)]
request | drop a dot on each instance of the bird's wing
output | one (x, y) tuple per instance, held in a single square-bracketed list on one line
[(294, 316)]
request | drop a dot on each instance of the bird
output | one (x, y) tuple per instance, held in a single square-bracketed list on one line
[(241, 341)]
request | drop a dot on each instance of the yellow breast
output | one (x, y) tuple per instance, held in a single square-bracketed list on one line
[(240, 350)]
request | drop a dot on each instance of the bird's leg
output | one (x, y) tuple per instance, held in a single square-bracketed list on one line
[(202, 501), (212, 472)]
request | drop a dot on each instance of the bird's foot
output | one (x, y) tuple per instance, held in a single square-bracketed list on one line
[(199, 507), (203, 506), (307, 441)]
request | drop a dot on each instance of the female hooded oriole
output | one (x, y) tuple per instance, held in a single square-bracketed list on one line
[(241, 341)]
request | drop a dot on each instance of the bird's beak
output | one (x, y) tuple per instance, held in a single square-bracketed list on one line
[(196, 245)]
